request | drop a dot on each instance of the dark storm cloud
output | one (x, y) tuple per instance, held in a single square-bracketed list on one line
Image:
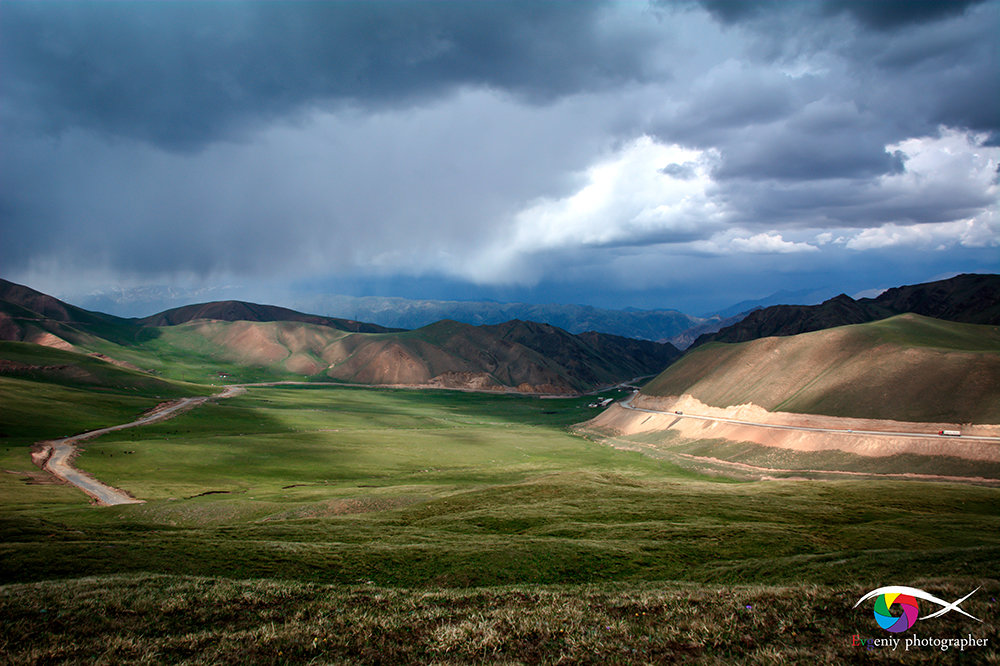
[(802, 150), (834, 117), (875, 14), (734, 11), (181, 74), (512, 145), (890, 14)]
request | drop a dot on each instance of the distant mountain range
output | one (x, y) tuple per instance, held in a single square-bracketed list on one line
[(235, 339), (783, 297), (406, 313), (969, 298)]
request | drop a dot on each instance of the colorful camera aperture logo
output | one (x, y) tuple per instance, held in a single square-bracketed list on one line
[(905, 601), (890, 622)]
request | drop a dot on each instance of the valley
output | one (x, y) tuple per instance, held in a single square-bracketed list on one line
[(464, 333), (278, 518)]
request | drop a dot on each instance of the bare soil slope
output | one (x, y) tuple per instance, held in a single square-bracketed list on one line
[(518, 355), (852, 436), (907, 368), (523, 356)]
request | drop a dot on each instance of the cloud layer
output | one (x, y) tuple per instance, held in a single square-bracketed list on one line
[(558, 149)]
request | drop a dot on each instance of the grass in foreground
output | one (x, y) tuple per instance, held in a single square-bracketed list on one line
[(162, 619)]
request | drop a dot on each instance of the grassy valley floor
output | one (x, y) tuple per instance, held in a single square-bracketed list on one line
[(331, 524)]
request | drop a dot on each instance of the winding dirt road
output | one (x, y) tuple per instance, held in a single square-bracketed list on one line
[(56, 456)]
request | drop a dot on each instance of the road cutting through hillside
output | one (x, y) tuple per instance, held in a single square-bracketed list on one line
[(56, 456), (627, 404)]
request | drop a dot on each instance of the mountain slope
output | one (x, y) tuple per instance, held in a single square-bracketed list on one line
[(969, 298), (520, 355), (243, 311), (908, 368), (782, 297), (31, 316), (685, 339), (259, 342)]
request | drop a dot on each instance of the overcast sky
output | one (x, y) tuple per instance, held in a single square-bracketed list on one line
[(662, 154)]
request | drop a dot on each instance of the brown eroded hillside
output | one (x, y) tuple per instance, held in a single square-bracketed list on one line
[(203, 340), (908, 368), (524, 356), (27, 315)]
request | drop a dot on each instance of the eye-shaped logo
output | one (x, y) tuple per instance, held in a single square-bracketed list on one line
[(906, 599)]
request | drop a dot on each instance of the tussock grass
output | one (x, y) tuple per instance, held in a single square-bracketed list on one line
[(165, 619)]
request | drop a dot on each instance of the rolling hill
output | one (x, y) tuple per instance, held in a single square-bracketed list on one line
[(243, 311), (524, 356), (907, 367), (27, 315), (259, 342), (969, 298)]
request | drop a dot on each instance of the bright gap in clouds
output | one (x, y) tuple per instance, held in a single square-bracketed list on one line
[(646, 193), (954, 166), (664, 199)]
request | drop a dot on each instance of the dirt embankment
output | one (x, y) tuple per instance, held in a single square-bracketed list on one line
[(677, 414)]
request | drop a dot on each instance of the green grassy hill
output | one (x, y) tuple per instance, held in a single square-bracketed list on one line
[(25, 314), (46, 392), (246, 342), (907, 367)]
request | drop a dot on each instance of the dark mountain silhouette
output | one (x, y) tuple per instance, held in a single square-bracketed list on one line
[(243, 311), (968, 298)]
